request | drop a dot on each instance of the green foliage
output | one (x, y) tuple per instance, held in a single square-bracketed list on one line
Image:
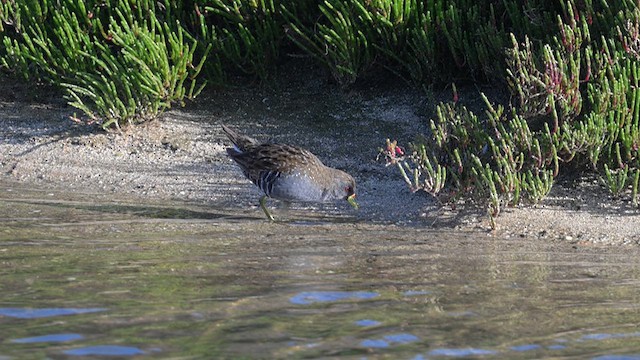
[(155, 69), (497, 160), (245, 35), (339, 40), (119, 64), (424, 41), (577, 102), (573, 69), (6, 13)]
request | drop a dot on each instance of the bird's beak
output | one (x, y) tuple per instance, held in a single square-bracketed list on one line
[(352, 201)]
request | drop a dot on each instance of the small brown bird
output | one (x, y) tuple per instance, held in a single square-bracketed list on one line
[(289, 173)]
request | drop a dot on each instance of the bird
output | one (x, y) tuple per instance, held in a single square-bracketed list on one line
[(289, 173)]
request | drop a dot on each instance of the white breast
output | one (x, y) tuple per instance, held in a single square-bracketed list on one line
[(297, 187)]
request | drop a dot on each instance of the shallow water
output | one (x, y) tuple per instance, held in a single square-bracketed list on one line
[(84, 276)]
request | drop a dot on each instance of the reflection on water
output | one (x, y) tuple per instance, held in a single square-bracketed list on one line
[(49, 338), (105, 350), (461, 352), (310, 297), (367, 322), (389, 340), (608, 336), (26, 313), (618, 357), (88, 280), (527, 347)]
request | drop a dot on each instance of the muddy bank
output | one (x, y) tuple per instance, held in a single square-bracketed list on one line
[(181, 157)]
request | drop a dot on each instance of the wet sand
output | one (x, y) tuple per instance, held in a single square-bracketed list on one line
[(181, 157)]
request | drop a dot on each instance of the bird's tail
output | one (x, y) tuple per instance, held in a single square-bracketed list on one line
[(240, 142)]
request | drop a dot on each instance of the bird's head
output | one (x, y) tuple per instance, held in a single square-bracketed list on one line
[(343, 186), (350, 192), (352, 200)]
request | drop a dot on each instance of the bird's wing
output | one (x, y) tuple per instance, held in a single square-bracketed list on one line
[(267, 158)]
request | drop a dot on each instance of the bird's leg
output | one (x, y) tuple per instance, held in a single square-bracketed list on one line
[(263, 205)]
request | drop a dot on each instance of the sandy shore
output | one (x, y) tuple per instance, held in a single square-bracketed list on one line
[(181, 157)]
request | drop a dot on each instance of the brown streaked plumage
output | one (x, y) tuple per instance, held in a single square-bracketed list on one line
[(288, 172)]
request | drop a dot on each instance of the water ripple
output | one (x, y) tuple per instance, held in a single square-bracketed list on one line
[(48, 338), (461, 352), (367, 322), (29, 313), (388, 340), (105, 350), (310, 297)]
